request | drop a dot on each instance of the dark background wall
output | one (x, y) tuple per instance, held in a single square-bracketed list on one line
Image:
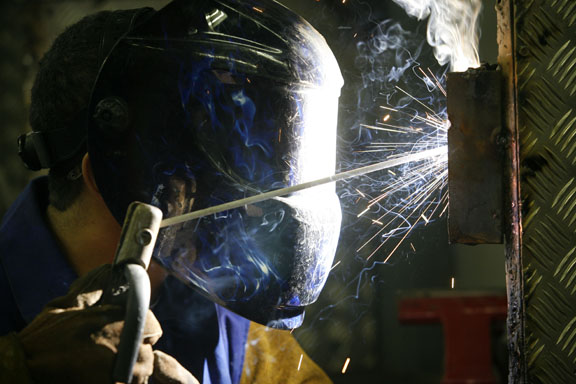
[(356, 316)]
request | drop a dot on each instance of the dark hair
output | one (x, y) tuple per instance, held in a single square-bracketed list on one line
[(62, 88)]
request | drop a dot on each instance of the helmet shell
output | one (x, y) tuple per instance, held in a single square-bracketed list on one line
[(210, 101)]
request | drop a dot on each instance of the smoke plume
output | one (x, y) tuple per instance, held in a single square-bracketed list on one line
[(452, 30)]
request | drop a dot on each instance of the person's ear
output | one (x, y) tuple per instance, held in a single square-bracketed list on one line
[(88, 176)]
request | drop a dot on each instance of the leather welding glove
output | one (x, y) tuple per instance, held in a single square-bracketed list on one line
[(75, 341)]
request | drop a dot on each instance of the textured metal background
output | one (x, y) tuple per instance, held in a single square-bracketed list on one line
[(545, 57)]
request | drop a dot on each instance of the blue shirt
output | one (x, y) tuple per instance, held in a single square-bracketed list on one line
[(205, 338)]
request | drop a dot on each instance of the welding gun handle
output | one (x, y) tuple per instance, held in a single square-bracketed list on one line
[(133, 256), (137, 305), (139, 233)]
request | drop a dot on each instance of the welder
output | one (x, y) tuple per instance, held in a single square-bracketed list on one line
[(197, 104)]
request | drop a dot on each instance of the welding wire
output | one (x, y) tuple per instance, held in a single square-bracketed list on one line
[(417, 156)]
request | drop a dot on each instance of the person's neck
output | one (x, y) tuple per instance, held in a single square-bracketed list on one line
[(88, 238)]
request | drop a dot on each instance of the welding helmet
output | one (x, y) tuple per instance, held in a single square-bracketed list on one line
[(210, 101)]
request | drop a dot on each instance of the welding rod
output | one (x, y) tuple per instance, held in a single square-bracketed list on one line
[(421, 155)]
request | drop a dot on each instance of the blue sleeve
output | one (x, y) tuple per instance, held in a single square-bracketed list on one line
[(10, 318)]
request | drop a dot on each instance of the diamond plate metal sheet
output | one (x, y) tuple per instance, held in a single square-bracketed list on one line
[(545, 55)]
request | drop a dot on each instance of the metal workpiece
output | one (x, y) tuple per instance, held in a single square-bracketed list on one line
[(475, 156), (512, 203), (537, 55)]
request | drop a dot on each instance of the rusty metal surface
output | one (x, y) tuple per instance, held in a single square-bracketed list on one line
[(544, 34), (475, 170), (512, 215)]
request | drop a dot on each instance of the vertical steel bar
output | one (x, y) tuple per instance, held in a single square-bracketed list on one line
[(512, 211)]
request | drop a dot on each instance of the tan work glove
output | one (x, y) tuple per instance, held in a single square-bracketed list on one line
[(74, 341)]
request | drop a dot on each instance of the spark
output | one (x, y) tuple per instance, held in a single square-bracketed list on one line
[(258, 9), (440, 87), (394, 187), (397, 245), (424, 73), (300, 362), (363, 212), (441, 125), (415, 194), (335, 265), (383, 129), (360, 196), (445, 205), (432, 79), (452, 283), (345, 367), (415, 99)]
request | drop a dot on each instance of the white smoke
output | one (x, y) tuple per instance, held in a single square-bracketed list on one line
[(452, 30)]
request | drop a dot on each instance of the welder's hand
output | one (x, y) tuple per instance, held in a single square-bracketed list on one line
[(167, 370), (74, 341)]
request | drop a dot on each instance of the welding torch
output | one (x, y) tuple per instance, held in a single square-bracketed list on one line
[(131, 284)]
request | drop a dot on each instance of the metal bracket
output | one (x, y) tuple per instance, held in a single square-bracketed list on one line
[(475, 157)]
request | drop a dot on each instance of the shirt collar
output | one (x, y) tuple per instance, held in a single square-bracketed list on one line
[(36, 268)]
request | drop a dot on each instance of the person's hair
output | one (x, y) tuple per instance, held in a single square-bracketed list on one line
[(61, 94)]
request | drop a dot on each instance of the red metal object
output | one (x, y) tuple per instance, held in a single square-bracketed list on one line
[(466, 322)]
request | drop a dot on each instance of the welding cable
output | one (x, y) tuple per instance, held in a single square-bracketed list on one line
[(133, 255), (137, 304)]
